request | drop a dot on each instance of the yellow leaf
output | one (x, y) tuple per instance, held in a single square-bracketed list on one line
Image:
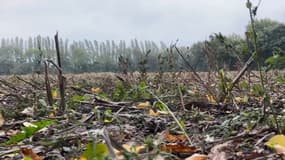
[(143, 105), (108, 120), (51, 115), (259, 99), (153, 113), (276, 140), (96, 90), (210, 98), (134, 149), (241, 99), (54, 93), (238, 99)]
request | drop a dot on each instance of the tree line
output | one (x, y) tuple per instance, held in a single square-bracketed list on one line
[(19, 56)]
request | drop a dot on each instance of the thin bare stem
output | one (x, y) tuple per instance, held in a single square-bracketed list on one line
[(173, 116), (196, 75), (47, 83), (256, 48), (61, 80)]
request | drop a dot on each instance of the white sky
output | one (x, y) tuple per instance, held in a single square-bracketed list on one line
[(166, 20)]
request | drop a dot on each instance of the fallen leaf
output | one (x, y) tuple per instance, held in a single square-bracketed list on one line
[(209, 138), (210, 98), (95, 151), (220, 151), (192, 92), (153, 113), (55, 94), (174, 138), (130, 148), (177, 148), (96, 90), (28, 153), (28, 124), (241, 99), (2, 133), (197, 156), (29, 111), (134, 149), (143, 105), (51, 115), (2, 120), (259, 99), (159, 157), (280, 150), (276, 140)]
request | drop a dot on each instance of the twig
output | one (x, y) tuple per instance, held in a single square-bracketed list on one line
[(197, 77), (263, 138), (8, 84), (109, 143), (242, 71), (3, 153), (99, 100), (54, 64), (181, 98), (29, 83), (172, 114), (47, 82), (239, 136)]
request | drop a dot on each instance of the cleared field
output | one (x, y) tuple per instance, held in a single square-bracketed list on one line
[(130, 111)]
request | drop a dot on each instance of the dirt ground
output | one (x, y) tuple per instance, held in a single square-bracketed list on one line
[(122, 111)]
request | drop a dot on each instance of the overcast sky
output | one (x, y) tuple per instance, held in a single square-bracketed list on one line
[(166, 20)]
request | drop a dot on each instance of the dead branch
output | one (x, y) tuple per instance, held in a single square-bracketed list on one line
[(27, 82), (47, 83), (60, 77)]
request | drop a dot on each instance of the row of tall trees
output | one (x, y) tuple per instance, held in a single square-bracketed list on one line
[(19, 56), (24, 56)]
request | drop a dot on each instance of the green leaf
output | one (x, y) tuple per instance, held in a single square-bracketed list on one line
[(97, 151), (160, 106), (258, 90), (281, 79), (79, 98), (27, 132), (109, 117), (120, 92), (244, 85)]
